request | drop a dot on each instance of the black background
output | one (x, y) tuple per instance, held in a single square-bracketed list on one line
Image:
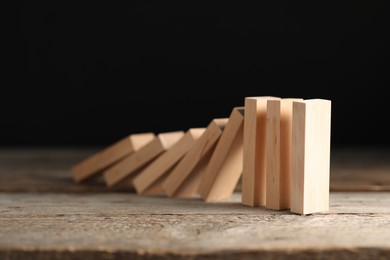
[(89, 75)]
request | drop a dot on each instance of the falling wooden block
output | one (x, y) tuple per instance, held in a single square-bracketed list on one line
[(127, 183), (253, 174), (225, 166), (278, 153), (150, 180), (310, 156), (184, 180), (100, 161), (129, 165)]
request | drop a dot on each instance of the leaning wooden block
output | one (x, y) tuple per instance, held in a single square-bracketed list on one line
[(100, 161), (225, 166), (189, 188), (310, 156), (127, 183), (278, 153), (125, 168), (185, 177), (150, 180), (253, 174)]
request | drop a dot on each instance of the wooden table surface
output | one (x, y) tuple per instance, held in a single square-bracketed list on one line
[(44, 215)]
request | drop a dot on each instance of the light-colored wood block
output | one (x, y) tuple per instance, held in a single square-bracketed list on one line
[(157, 171), (100, 161), (311, 128), (127, 183), (156, 188), (189, 188), (253, 174), (129, 165), (278, 153), (225, 166), (185, 177)]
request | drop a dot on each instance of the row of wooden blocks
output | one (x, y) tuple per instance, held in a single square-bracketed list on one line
[(279, 146)]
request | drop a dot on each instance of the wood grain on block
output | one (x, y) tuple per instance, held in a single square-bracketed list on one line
[(156, 188), (278, 153), (272, 157), (225, 166), (100, 161), (286, 108), (189, 188), (165, 162), (127, 183), (253, 175), (310, 156), (187, 167), (146, 154)]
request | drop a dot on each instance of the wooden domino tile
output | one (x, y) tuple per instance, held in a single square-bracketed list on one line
[(185, 178), (143, 156), (150, 180), (253, 174), (100, 161), (278, 153), (311, 125), (225, 166)]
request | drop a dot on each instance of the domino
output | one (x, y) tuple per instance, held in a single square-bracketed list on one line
[(185, 177), (278, 153), (253, 174), (225, 166), (150, 180), (129, 165), (100, 161), (311, 128)]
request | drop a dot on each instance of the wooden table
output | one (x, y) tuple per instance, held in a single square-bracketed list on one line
[(44, 215)]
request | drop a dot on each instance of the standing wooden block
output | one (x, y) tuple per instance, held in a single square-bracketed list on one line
[(150, 180), (135, 161), (98, 162), (225, 166), (253, 175), (185, 177), (278, 153), (310, 156)]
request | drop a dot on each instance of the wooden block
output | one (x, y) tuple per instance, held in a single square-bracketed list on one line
[(127, 183), (310, 156), (189, 170), (189, 188), (278, 153), (225, 166), (143, 156), (156, 188), (157, 171), (98, 162), (253, 174)]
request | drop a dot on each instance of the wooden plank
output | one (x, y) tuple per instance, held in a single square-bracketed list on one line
[(278, 153), (100, 161), (253, 175), (146, 154), (158, 170), (127, 226), (225, 166), (310, 156), (192, 165)]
